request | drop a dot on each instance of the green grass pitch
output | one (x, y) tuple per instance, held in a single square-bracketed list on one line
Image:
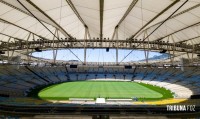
[(106, 89)]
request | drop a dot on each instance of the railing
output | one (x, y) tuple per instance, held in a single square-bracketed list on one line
[(104, 64)]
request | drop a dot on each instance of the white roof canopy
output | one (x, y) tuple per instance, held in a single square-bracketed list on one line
[(58, 14), (164, 20)]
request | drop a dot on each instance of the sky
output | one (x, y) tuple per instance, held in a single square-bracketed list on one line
[(96, 55)]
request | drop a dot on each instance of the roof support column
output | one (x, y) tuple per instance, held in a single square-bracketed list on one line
[(168, 49), (146, 52), (147, 59), (113, 36), (116, 30), (8, 54), (172, 58), (33, 36), (27, 47), (188, 56), (12, 53), (192, 51), (85, 43), (55, 51)]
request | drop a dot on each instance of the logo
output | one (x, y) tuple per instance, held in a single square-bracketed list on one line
[(183, 108)]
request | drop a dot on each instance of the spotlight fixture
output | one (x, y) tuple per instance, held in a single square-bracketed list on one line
[(38, 49), (107, 49), (2, 52), (73, 66), (163, 51), (127, 67)]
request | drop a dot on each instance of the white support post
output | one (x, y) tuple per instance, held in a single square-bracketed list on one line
[(85, 50), (146, 52), (56, 48), (12, 53), (8, 48), (192, 51), (54, 53), (117, 46), (27, 47), (168, 49), (147, 58), (88, 33), (32, 49), (188, 56), (113, 36), (172, 59)]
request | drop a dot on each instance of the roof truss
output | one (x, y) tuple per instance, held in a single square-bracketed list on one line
[(168, 7), (56, 24)]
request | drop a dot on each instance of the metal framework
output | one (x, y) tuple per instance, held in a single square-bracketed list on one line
[(46, 26), (122, 44), (27, 46)]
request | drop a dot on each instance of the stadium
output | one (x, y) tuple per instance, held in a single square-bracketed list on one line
[(99, 59)]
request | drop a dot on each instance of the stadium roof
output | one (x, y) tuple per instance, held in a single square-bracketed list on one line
[(173, 21)]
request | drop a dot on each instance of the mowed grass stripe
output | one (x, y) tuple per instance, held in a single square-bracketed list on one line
[(106, 89)]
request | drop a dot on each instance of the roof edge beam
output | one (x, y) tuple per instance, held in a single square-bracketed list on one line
[(167, 8)]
